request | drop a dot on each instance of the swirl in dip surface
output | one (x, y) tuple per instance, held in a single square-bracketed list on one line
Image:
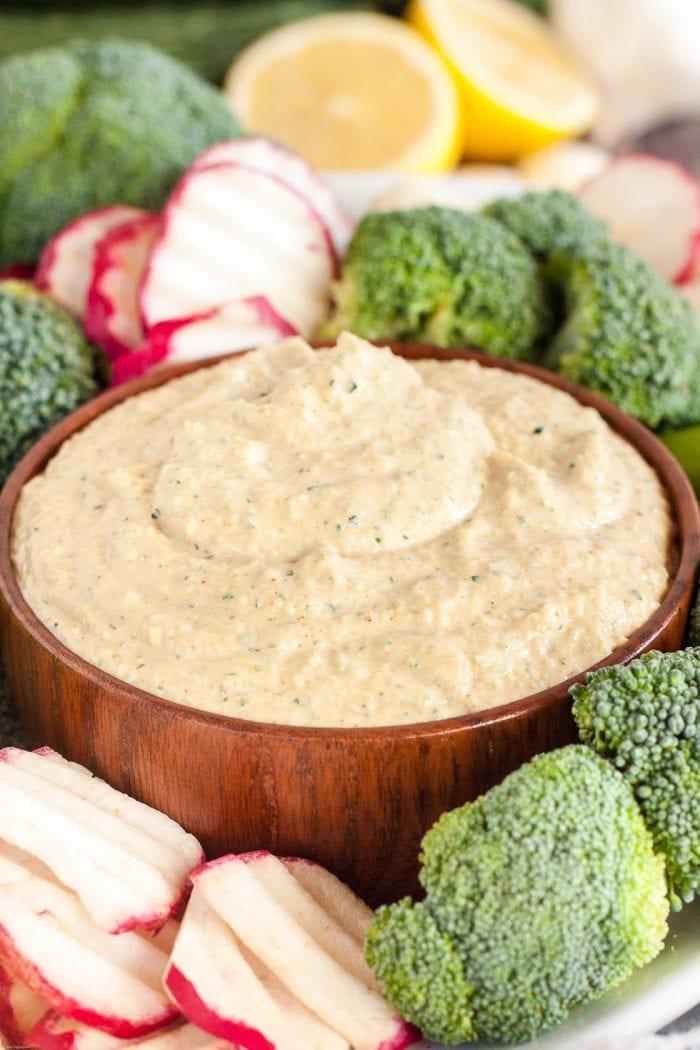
[(344, 538)]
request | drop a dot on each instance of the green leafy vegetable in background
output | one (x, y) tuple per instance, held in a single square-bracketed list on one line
[(94, 124), (542, 894), (445, 276), (205, 36), (47, 368)]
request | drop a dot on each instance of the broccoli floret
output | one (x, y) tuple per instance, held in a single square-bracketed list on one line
[(422, 973), (47, 368), (91, 124), (449, 277), (645, 718), (546, 889), (552, 221), (627, 335)]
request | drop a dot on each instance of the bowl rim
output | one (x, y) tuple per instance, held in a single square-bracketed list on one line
[(685, 514)]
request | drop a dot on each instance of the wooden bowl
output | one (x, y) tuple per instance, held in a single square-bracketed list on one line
[(357, 800)]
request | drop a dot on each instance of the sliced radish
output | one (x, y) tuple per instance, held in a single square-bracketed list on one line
[(65, 266), (53, 1032), (653, 207), (221, 987), (274, 159), (230, 232), (112, 318), (226, 329), (128, 863), (308, 940), (20, 1007), (183, 1037), (12, 868), (16, 864), (336, 899), (106, 982), (18, 272)]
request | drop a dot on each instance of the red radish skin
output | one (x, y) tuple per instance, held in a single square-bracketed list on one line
[(117, 830), (197, 1011), (242, 858), (272, 158), (65, 266), (61, 771), (112, 318), (403, 1039), (652, 205), (54, 1032), (206, 256), (154, 922), (263, 324), (69, 1007), (327, 928), (691, 290), (685, 277), (18, 272)]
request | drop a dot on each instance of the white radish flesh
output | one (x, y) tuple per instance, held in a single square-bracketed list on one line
[(230, 232), (127, 862), (219, 987), (65, 266), (273, 159), (336, 899), (110, 983), (653, 207), (315, 958)]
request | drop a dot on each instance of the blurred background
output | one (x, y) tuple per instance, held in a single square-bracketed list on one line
[(644, 55)]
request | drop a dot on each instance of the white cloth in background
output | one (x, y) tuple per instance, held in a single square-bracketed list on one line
[(644, 53)]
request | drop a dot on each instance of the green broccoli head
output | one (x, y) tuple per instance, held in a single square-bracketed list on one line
[(47, 368), (627, 335), (645, 718), (449, 277), (550, 221), (91, 124), (422, 973), (546, 889)]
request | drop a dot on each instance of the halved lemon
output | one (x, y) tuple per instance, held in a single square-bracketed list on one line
[(350, 91), (520, 88)]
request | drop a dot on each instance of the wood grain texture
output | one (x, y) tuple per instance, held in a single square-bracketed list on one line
[(357, 800)]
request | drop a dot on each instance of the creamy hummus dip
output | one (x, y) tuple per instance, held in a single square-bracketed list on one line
[(343, 538)]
